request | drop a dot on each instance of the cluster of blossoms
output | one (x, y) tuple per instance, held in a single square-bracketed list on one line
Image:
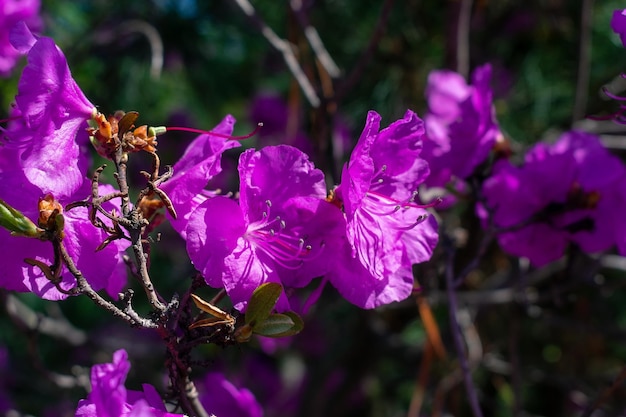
[(285, 229), (281, 227), (110, 398), (573, 191), (570, 192)]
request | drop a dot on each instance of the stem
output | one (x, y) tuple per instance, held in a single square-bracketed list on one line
[(606, 393), (191, 393), (463, 38), (482, 248), (456, 330), (314, 39), (135, 224), (85, 288), (284, 48)]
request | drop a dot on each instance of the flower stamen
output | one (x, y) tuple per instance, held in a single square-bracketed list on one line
[(219, 135), (269, 236)]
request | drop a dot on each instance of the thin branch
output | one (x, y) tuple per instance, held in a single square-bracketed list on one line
[(606, 393), (417, 399), (83, 287), (135, 225), (285, 48), (456, 329), (33, 321), (314, 39), (191, 394), (482, 248)]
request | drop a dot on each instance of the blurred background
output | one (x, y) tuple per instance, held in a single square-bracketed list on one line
[(540, 342)]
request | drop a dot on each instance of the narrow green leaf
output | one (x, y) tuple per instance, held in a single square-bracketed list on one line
[(262, 303)]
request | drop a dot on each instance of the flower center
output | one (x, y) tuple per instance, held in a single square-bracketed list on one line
[(270, 235), (379, 204)]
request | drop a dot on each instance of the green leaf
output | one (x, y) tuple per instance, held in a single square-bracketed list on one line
[(280, 325), (262, 303), (298, 324), (274, 325), (17, 223)]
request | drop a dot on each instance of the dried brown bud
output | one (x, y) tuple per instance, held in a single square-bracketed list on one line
[(150, 209), (139, 140), (51, 215), (104, 136)]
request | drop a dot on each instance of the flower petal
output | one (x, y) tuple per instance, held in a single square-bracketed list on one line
[(212, 234), (200, 162)]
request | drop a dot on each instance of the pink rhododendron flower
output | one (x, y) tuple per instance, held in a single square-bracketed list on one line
[(110, 398), (386, 230), (200, 162), (51, 110), (570, 192), (271, 234), (103, 269), (41, 155), (460, 126)]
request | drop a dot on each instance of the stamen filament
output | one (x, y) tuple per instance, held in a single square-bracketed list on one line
[(220, 135), (613, 96)]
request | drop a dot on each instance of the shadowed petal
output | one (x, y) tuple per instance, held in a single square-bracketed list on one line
[(212, 234)]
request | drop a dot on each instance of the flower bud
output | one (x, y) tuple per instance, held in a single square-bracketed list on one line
[(51, 215), (17, 223)]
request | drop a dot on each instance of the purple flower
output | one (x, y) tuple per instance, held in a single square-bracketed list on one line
[(41, 157), (618, 24), (569, 192), (52, 110), (200, 162), (109, 397), (103, 269), (386, 230), (12, 12), (273, 231), (221, 398), (460, 127)]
